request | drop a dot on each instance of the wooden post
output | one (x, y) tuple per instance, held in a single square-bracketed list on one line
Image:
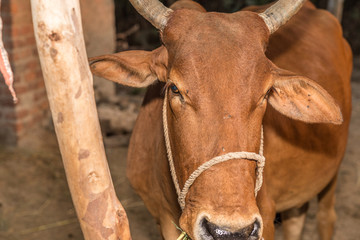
[(59, 38), (336, 8)]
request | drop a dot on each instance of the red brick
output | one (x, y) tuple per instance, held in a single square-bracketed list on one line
[(23, 16), (13, 7), (24, 86), (21, 114), (40, 84), (36, 119), (30, 76), (34, 110), (31, 41), (18, 79), (39, 95), (18, 127), (22, 30), (33, 64), (17, 115), (21, 19), (39, 72), (23, 126), (21, 89), (21, 42), (21, 54), (18, 68), (44, 104), (18, 42)]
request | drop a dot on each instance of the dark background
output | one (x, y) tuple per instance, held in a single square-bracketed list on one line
[(126, 17)]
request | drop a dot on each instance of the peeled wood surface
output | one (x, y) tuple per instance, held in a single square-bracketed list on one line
[(68, 81)]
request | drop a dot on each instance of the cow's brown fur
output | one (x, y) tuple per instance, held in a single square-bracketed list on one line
[(224, 65)]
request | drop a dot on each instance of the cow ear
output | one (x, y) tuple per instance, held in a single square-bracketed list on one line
[(302, 99), (132, 68)]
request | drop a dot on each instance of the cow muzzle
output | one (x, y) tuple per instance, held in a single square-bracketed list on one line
[(212, 231)]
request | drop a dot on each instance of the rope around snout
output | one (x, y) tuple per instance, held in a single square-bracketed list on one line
[(259, 158)]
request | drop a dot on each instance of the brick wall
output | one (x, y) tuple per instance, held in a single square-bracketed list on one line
[(7, 133), (99, 35), (21, 122)]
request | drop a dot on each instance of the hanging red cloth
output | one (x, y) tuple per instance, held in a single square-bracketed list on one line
[(5, 67)]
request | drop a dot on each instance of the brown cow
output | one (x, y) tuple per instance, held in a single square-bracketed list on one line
[(224, 77)]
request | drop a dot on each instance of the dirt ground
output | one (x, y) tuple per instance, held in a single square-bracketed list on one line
[(35, 202)]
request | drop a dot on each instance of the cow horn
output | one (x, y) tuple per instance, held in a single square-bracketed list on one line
[(153, 11), (279, 13)]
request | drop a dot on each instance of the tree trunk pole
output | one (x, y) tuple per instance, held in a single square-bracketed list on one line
[(68, 81)]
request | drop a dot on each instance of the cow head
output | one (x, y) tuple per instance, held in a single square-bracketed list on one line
[(219, 84)]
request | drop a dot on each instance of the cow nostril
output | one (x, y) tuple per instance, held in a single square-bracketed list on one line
[(250, 232), (255, 230)]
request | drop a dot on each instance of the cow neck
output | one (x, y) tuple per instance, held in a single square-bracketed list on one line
[(259, 158)]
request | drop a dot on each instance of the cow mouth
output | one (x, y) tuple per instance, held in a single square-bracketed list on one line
[(210, 231)]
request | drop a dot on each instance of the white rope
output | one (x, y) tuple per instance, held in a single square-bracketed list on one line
[(259, 158), (168, 147)]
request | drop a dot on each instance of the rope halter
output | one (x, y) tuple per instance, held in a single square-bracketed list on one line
[(259, 158)]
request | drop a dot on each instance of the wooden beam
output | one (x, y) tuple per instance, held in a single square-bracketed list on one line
[(336, 8), (60, 43)]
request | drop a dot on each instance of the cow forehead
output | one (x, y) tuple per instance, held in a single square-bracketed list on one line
[(212, 48), (218, 29)]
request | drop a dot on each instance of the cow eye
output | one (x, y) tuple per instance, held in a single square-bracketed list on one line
[(267, 93), (174, 89), (266, 96)]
